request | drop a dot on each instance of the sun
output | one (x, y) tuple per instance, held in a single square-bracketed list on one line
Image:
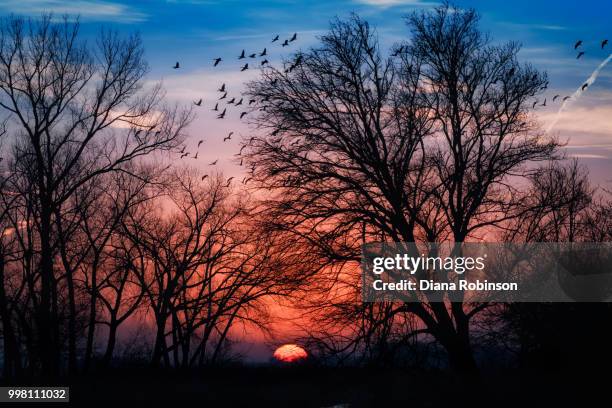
[(289, 353)]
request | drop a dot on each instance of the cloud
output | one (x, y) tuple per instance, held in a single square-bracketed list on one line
[(392, 3), (86, 9)]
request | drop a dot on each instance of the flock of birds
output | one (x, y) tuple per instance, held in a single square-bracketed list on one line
[(239, 101), (234, 100), (578, 46)]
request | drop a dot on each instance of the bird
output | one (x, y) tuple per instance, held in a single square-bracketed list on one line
[(566, 98), (293, 38), (176, 66), (239, 102), (555, 97), (286, 43), (275, 39), (204, 176), (578, 44), (246, 180), (264, 53), (196, 155), (223, 96), (221, 115), (222, 89), (243, 114), (217, 61), (182, 150), (253, 55), (198, 103), (184, 155), (229, 181), (241, 161), (200, 142), (241, 56), (252, 101), (228, 137), (534, 104), (231, 101), (246, 66), (240, 152), (213, 163), (264, 62), (216, 108), (580, 54), (585, 86), (544, 104), (603, 44)]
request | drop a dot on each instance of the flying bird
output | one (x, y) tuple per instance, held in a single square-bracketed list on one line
[(275, 39), (253, 55), (223, 96), (243, 114), (566, 98), (239, 102), (241, 56), (264, 53), (221, 115), (200, 142), (578, 44), (534, 104), (184, 155), (176, 66), (252, 101), (544, 104), (603, 44), (216, 108), (196, 155), (286, 43), (246, 66), (264, 62), (240, 152), (204, 176), (293, 38), (222, 89), (555, 97), (246, 180), (229, 181), (231, 101), (217, 61), (228, 137), (580, 54), (213, 163), (198, 103), (585, 86)]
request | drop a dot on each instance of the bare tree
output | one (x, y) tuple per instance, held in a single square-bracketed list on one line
[(76, 112), (420, 148)]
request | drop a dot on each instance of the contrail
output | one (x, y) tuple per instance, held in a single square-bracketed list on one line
[(578, 93)]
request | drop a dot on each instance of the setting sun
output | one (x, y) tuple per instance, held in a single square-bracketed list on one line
[(288, 353)]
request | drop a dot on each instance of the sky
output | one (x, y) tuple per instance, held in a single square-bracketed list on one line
[(194, 32)]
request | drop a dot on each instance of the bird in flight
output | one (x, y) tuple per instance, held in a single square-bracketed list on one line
[(184, 155), (264, 62), (580, 54), (253, 55), (534, 104), (216, 108), (229, 181), (200, 142), (204, 176), (566, 98), (264, 53), (221, 115), (222, 89), (196, 155), (275, 39), (228, 137), (578, 44), (246, 66), (585, 86), (293, 38), (246, 180), (252, 101), (240, 152), (198, 103), (544, 104), (241, 56), (555, 97), (239, 102), (603, 44), (176, 66), (243, 114), (231, 101), (217, 61), (224, 96), (213, 163), (286, 43)]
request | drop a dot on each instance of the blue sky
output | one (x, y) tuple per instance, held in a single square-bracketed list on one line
[(195, 31)]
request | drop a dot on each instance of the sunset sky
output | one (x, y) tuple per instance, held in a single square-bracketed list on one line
[(196, 31)]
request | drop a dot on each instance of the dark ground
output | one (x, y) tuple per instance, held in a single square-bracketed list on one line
[(304, 386)]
